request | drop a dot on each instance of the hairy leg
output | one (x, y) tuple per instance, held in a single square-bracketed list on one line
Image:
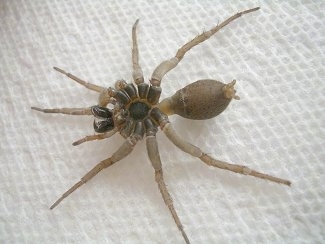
[(95, 137), (80, 81), (70, 111), (137, 71), (168, 65), (196, 152), (124, 150), (153, 153)]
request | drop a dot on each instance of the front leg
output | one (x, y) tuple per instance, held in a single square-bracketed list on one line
[(80, 81), (69, 111), (137, 71), (168, 65)]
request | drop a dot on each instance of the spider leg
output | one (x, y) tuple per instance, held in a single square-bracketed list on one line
[(168, 65), (80, 81), (70, 111), (124, 150), (137, 71), (196, 152), (95, 137), (153, 153)]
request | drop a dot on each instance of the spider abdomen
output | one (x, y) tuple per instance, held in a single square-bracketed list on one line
[(203, 99)]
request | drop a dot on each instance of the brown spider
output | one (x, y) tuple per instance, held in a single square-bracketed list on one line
[(137, 112)]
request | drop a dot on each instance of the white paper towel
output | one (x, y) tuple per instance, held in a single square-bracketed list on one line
[(277, 57)]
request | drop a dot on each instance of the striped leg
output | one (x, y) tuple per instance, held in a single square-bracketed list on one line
[(168, 65)]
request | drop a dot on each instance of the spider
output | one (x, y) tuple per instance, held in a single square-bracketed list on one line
[(135, 112)]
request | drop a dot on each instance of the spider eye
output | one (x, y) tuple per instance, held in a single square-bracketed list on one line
[(102, 126), (101, 112)]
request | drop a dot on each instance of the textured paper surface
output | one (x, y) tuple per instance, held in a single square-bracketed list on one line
[(277, 57)]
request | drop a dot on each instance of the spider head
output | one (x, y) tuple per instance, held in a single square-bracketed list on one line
[(103, 119)]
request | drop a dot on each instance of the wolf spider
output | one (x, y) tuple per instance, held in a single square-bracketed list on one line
[(137, 112)]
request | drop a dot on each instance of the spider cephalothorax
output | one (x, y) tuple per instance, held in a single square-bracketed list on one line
[(133, 106), (135, 112)]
